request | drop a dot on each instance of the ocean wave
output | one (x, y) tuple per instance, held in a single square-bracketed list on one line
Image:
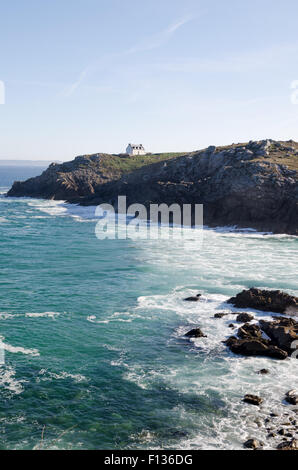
[(9, 382), (12, 316), (46, 375), (42, 315), (219, 373), (17, 349)]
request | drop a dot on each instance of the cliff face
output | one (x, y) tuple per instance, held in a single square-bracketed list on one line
[(65, 181), (249, 185)]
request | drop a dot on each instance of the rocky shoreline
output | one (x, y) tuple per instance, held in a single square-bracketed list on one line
[(252, 185), (276, 339)]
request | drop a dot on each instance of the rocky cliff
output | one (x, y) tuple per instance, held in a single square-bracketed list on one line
[(248, 185)]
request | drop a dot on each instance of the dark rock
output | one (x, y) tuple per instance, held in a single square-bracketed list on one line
[(244, 317), (253, 400), (269, 301), (288, 445), (230, 340), (282, 331), (264, 372), (292, 397), (231, 325), (220, 315), (256, 347), (195, 333), (193, 298), (248, 331), (253, 444)]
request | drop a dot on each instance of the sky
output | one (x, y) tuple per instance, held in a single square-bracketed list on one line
[(90, 76)]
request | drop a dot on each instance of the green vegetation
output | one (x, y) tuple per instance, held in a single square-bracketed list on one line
[(125, 164)]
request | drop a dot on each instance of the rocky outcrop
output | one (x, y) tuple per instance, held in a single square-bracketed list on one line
[(282, 333), (69, 181), (248, 185), (268, 301), (244, 317), (195, 333), (255, 347), (253, 400)]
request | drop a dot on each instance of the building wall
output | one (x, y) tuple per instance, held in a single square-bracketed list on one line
[(131, 151)]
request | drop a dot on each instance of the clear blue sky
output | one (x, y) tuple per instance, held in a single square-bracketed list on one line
[(86, 76)]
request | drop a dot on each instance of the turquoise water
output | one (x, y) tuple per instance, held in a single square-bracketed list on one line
[(93, 332)]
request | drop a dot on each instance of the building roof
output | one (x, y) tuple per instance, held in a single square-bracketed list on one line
[(136, 145)]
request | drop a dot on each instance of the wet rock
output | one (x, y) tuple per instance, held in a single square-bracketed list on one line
[(248, 331), (253, 400), (282, 331), (220, 315), (256, 347), (264, 372), (268, 301), (231, 325), (253, 444), (195, 298), (288, 445), (292, 397), (195, 333), (244, 317)]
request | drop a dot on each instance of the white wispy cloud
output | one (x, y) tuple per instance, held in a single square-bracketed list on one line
[(68, 91), (149, 43), (159, 39)]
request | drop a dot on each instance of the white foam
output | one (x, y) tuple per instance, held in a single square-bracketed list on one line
[(42, 315), (8, 380), (46, 375), (17, 349), (219, 371)]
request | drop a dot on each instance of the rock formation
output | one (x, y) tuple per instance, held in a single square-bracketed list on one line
[(248, 185), (268, 301)]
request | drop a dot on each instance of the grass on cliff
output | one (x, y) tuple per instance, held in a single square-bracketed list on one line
[(125, 164)]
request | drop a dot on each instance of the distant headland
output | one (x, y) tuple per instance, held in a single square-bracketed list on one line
[(250, 185)]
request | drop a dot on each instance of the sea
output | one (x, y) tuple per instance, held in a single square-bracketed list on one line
[(92, 332)]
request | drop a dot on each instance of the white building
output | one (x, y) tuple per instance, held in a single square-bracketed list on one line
[(135, 149)]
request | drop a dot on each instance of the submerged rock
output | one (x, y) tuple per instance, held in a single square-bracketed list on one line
[(263, 372), (195, 333), (268, 301), (194, 298)]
